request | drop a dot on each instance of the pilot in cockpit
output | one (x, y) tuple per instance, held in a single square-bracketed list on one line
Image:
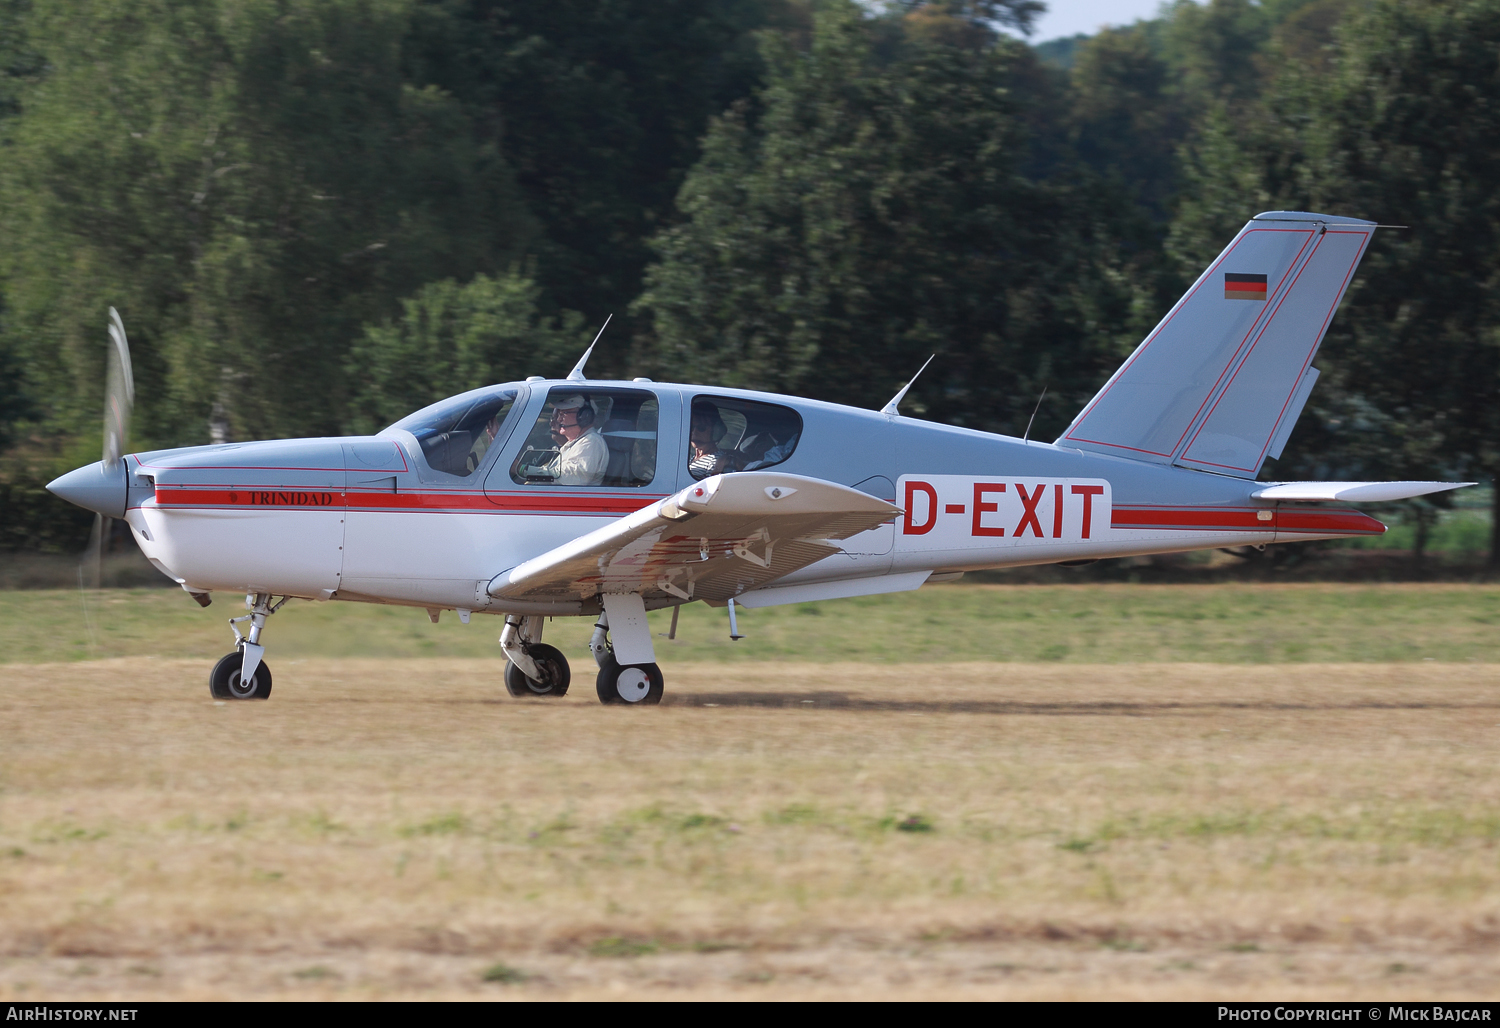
[(582, 455)]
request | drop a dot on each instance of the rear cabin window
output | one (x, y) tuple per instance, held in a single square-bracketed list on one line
[(591, 437), (739, 435), (456, 434)]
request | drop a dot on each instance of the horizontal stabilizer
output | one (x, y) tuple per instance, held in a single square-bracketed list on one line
[(1354, 492), (714, 540)]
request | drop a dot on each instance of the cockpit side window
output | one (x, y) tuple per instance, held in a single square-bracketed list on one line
[(591, 437), (739, 435), (456, 435)]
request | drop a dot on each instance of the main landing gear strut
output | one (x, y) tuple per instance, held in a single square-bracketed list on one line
[(534, 668), (621, 646), (242, 675), (623, 650)]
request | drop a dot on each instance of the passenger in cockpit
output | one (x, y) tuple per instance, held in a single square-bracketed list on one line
[(484, 441), (704, 455)]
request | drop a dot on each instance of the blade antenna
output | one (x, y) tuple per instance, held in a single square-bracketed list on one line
[(576, 375), (890, 408), (1027, 437)]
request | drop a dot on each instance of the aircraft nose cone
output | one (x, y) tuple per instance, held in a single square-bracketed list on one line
[(94, 487)]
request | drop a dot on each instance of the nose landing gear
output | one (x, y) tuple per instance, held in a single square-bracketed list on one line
[(242, 675), (225, 681)]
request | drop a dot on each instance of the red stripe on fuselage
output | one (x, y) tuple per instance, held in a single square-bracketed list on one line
[(333, 499), (1317, 522), (1246, 519), (1309, 521)]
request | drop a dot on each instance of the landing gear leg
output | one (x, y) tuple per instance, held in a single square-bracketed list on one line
[(534, 668), (627, 669), (243, 675)]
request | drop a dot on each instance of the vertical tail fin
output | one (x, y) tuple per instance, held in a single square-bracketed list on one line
[(1218, 384)]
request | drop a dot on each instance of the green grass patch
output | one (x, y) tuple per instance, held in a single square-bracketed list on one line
[(1075, 624), (796, 814), (315, 974), (504, 974), (444, 824), (621, 946)]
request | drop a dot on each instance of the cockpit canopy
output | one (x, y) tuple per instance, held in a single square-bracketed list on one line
[(597, 435), (456, 433)]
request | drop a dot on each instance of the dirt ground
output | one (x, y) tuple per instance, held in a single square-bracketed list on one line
[(387, 829)]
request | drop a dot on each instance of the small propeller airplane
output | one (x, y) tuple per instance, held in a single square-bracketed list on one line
[(608, 499)]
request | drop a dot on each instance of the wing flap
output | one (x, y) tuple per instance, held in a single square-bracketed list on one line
[(711, 541), (1354, 492)]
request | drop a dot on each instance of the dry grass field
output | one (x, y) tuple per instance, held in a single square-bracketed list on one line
[(398, 828)]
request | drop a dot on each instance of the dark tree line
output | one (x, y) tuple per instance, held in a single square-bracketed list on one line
[(316, 215)]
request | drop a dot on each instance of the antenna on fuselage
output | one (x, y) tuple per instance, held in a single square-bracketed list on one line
[(576, 375), (1027, 437), (890, 408)]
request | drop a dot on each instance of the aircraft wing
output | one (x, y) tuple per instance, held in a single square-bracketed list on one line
[(711, 541), (1353, 492)]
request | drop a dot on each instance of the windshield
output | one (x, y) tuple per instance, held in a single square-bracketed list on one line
[(456, 434)]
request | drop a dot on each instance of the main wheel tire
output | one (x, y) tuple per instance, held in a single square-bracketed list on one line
[(224, 680), (556, 675), (632, 685)]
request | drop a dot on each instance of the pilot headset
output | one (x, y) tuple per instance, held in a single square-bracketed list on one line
[(583, 414)]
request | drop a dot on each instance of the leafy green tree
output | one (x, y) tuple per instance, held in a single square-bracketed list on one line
[(967, 24), (252, 183), (1127, 116), (450, 338), (599, 109), (1139, 93), (1214, 48), (871, 210), (19, 63), (248, 182), (1409, 132), (1393, 118)]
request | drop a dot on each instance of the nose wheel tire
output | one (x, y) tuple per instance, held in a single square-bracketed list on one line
[(224, 681), (633, 685), (554, 668)]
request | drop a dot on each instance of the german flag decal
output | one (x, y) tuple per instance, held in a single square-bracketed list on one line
[(1244, 287)]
